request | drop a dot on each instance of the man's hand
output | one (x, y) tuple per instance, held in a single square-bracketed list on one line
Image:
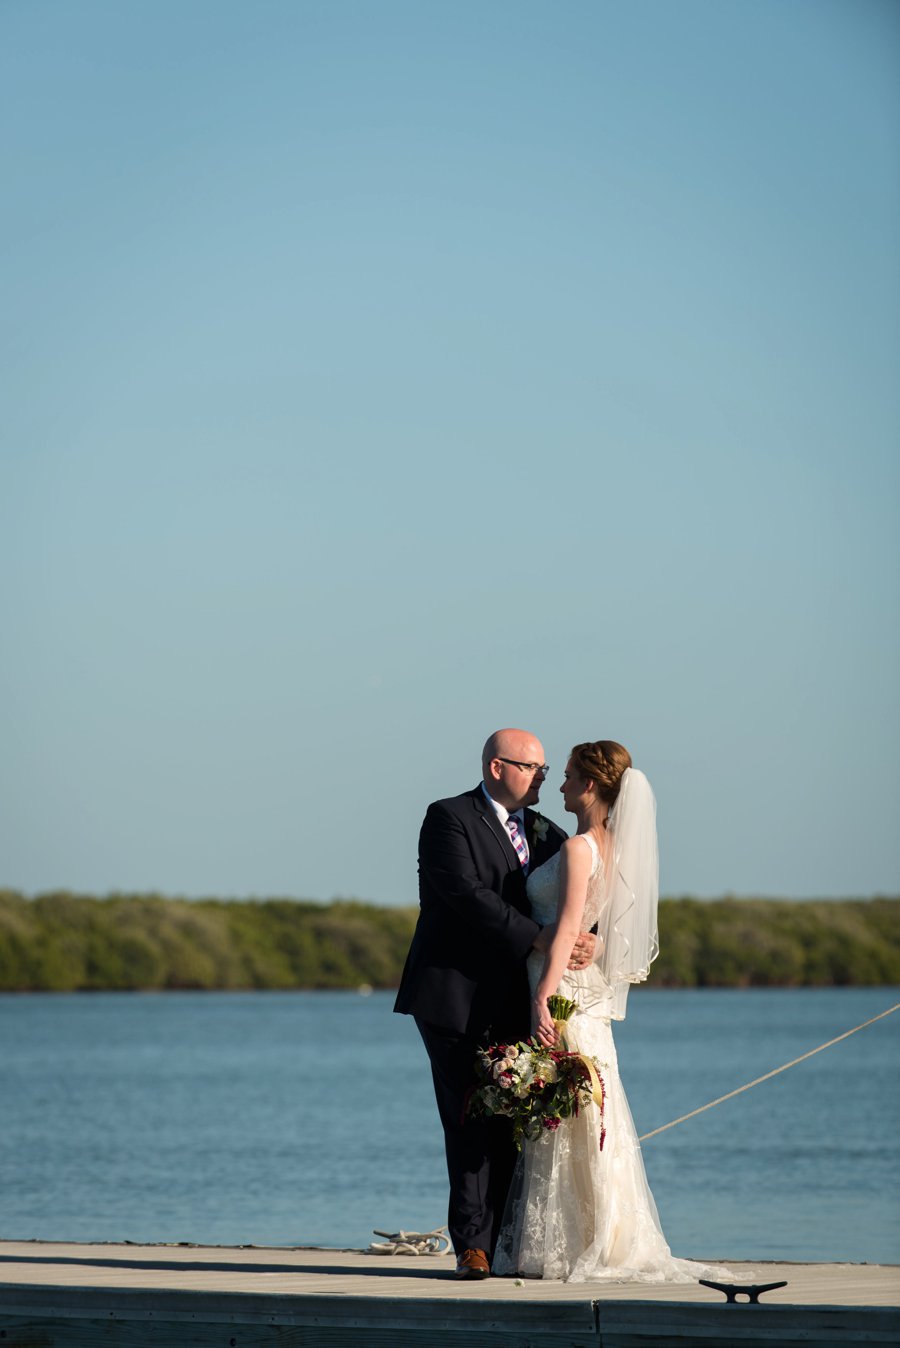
[(583, 950)]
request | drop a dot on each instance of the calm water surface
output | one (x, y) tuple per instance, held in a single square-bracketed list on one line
[(308, 1119)]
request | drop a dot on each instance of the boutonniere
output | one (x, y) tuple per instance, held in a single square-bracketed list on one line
[(540, 828)]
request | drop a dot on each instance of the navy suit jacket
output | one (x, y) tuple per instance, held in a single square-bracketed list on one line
[(466, 965)]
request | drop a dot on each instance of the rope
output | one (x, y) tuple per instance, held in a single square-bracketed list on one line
[(411, 1242), (773, 1073)]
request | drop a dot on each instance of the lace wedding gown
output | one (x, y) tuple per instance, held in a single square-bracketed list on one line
[(575, 1211)]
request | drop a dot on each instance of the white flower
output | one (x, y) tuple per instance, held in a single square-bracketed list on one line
[(525, 1074), (541, 828)]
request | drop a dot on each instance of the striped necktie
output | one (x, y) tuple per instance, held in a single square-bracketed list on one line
[(518, 842)]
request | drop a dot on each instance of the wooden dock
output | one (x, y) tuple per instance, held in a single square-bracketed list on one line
[(184, 1296)]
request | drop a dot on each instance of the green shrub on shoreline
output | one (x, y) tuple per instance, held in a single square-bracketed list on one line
[(778, 943), (61, 942)]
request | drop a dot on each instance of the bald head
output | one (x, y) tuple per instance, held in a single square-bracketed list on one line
[(510, 783)]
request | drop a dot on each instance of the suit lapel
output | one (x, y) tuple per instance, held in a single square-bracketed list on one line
[(536, 846), (530, 817), (490, 821)]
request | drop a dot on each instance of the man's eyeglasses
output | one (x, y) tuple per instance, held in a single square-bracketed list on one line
[(542, 768)]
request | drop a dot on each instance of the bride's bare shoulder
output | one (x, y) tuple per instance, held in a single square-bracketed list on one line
[(577, 850)]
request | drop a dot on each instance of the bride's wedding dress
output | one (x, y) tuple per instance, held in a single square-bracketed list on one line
[(577, 1211)]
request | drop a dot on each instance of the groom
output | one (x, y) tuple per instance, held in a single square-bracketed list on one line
[(465, 980)]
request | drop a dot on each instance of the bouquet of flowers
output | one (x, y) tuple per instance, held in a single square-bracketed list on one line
[(535, 1087)]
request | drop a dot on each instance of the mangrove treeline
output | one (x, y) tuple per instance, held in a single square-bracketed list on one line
[(62, 942)]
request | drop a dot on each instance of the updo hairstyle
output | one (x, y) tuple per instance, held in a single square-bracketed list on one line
[(602, 762)]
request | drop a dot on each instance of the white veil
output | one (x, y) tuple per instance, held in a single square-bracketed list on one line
[(627, 920)]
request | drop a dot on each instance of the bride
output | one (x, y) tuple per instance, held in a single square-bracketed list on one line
[(579, 1206)]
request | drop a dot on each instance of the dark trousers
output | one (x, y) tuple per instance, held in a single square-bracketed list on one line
[(480, 1152)]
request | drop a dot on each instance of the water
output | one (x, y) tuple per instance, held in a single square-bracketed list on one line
[(308, 1119)]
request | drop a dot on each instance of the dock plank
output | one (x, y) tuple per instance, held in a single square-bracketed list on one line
[(62, 1295)]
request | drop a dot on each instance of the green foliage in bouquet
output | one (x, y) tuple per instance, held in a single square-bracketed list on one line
[(560, 1008)]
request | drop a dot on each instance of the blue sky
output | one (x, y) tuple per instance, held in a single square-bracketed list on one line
[(378, 375)]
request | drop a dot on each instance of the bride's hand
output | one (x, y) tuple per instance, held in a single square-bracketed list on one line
[(544, 1030)]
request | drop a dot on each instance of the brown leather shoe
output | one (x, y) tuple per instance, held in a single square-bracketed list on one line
[(473, 1264)]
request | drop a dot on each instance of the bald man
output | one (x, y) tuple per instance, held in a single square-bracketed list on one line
[(465, 980)]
